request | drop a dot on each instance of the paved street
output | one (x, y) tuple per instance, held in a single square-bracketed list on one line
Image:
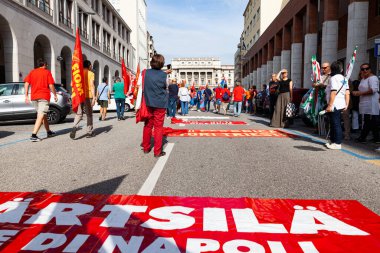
[(113, 163)]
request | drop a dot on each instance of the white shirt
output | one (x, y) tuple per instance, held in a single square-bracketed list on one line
[(183, 94), (369, 104), (335, 84)]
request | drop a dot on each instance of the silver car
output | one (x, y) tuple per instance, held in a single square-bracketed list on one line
[(13, 106)]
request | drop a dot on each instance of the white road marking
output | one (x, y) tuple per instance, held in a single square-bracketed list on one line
[(154, 175), (201, 117)]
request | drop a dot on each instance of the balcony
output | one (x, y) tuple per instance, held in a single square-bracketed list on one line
[(65, 23), (41, 7), (96, 43), (83, 33), (107, 49)]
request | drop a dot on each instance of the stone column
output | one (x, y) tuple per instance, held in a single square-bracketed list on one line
[(263, 74), (286, 47), (258, 76), (254, 77), (285, 60), (269, 70), (357, 33), (276, 64), (311, 41), (296, 59), (330, 31), (296, 51)]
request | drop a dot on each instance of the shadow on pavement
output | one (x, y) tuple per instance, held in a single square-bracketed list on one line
[(309, 148), (106, 187), (4, 134)]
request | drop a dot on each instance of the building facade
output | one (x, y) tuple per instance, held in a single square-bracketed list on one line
[(151, 50), (258, 15), (134, 12), (237, 62), (202, 71), (329, 29), (46, 29)]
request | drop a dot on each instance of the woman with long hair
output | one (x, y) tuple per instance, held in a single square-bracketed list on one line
[(285, 95)]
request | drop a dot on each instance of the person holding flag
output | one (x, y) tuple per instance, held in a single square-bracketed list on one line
[(89, 102), (83, 88)]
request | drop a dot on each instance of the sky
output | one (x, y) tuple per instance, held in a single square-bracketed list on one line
[(196, 28)]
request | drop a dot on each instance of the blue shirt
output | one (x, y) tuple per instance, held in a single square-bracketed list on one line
[(155, 92), (103, 95)]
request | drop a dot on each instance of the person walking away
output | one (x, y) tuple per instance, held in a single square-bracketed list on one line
[(238, 95), (183, 94), (86, 107), (338, 97), (207, 98), (254, 95), (285, 89), (41, 82), (173, 97), (119, 96), (369, 103), (218, 97), (226, 97), (156, 98), (248, 98), (104, 97), (273, 93), (199, 99)]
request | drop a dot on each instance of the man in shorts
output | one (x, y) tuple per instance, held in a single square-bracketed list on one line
[(41, 82)]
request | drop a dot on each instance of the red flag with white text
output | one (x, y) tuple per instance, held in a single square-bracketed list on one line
[(77, 75)]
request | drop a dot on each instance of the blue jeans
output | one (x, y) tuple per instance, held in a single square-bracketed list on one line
[(184, 107), (120, 107), (336, 133), (237, 108), (172, 107), (207, 105)]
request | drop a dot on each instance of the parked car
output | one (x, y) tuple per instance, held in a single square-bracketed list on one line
[(112, 107), (13, 106)]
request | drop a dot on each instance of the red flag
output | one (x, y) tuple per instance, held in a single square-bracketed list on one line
[(134, 88), (77, 76), (126, 77)]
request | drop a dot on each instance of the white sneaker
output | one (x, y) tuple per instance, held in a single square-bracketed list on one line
[(328, 143), (334, 146)]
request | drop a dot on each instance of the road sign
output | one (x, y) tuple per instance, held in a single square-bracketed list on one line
[(377, 47)]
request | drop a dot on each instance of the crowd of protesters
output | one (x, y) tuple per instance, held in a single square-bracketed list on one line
[(355, 104)]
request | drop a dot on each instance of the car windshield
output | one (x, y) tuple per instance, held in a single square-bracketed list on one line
[(6, 89), (59, 87)]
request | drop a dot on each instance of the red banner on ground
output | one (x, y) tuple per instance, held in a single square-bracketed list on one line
[(206, 122), (226, 133), (44, 222)]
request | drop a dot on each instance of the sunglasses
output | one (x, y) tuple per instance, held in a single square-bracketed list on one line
[(325, 67), (365, 69)]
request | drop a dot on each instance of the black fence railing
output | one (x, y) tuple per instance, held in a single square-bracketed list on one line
[(65, 21), (96, 42), (83, 33), (106, 48), (42, 5)]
